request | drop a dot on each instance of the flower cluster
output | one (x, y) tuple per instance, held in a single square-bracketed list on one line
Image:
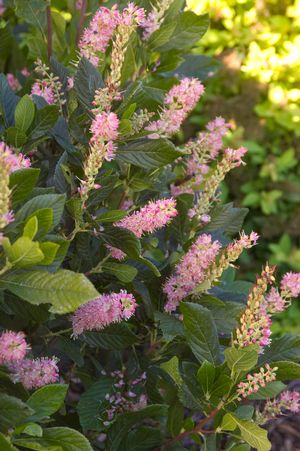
[(9, 162), (256, 381), (255, 323), (149, 218), (32, 373), (50, 87), (127, 396), (288, 401), (202, 151), (155, 18), (179, 102), (232, 158), (104, 129), (191, 271), (13, 82), (102, 311), (35, 373), (13, 347)]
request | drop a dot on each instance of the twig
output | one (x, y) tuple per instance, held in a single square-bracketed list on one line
[(81, 20), (49, 30)]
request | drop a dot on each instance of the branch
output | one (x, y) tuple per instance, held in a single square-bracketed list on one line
[(81, 20), (49, 30)]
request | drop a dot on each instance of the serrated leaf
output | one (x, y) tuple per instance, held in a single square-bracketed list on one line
[(206, 377), (122, 239), (143, 439), (15, 137), (8, 101), (45, 119), (31, 227), (49, 250), (63, 438), (148, 153), (226, 218), (86, 81), (171, 327), (287, 370), (196, 66), (5, 444), (241, 359), (201, 332), (24, 252), (250, 432), (12, 411), (22, 183), (283, 348), (33, 12), (271, 390), (113, 337), (46, 400), (172, 368), (175, 418), (24, 113), (119, 430), (111, 216), (54, 201), (64, 290), (89, 405)]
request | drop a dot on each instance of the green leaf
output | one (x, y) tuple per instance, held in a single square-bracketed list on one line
[(125, 273), (24, 113), (54, 201), (15, 137), (143, 439), (206, 377), (111, 216), (8, 101), (115, 336), (64, 290), (5, 444), (45, 221), (31, 228), (86, 81), (89, 406), (287, 370), (271, 390), (21, 183), (283, 348), (33, 12), (172, 368), (47, 400), (148, 153), (201, 332), (250, 432), (62, 438), (171, 327), (196, 66), (119, 430), (226, 218), (175, 418), (12, 412), (189, 28), (241, 359), (149, 265), (49, 250), (161, 36), (24, 252), (32, 429), (45, 119), (122, 239)]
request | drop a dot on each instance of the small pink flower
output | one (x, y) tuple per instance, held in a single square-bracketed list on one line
[(149, 218), (25, 72), (115, 252), (11, 160), (13, 347), (105, 127), (102, 311), (256, 381), (70, 84), (35, 373), (13, 82), (42, 89), (236, 155), (290, 284)]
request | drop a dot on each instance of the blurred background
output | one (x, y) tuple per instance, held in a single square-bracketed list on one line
[(257, 88)]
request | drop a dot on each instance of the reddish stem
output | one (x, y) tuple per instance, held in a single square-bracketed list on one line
[(49, 31), (81, 20)]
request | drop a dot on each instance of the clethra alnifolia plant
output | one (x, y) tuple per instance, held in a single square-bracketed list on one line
[(124, 321)]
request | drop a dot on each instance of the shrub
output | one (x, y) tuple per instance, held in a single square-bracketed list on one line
[(122, 324)]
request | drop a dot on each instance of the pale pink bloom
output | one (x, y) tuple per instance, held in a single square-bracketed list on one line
[(13, 347), (191, 270), (126, 204), (177, 190), (70, 84), (179, 102), (13, 82), (288, 401), (25, 72), (290, 284), (205, 219), (2, 7), (42, 89), (78, 4), (9, 217), (132, 14), (12, 161), (102, 311), (115, 252), (274, 302), (97, 36), (35, 373), (149, 218), (256, 381), (150, 25), (104, 127), (236, 155)]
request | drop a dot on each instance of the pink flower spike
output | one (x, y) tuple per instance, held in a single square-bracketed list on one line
[(35, 373), (236, 155), (290, 284), (13, 347), (42, 89), (151, 217), (105, 127)]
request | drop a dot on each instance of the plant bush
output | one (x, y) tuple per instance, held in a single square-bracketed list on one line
[(122, 324)]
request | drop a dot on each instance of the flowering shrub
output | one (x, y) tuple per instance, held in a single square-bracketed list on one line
[(118, 295)]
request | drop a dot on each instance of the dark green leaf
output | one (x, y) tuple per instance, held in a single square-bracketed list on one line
[(283, 348), (54, 201), (89, 406), (12, 412), (125, 273), (87, 80), (122, 239), (24, 113), (115, 336), (46, 400), (271, 390), (241, 359), (44, 120), (143, 439), (171, 327), (5, 444), (33, 12), (197, 66), (8, 101), (22, 182), (226, 218)]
